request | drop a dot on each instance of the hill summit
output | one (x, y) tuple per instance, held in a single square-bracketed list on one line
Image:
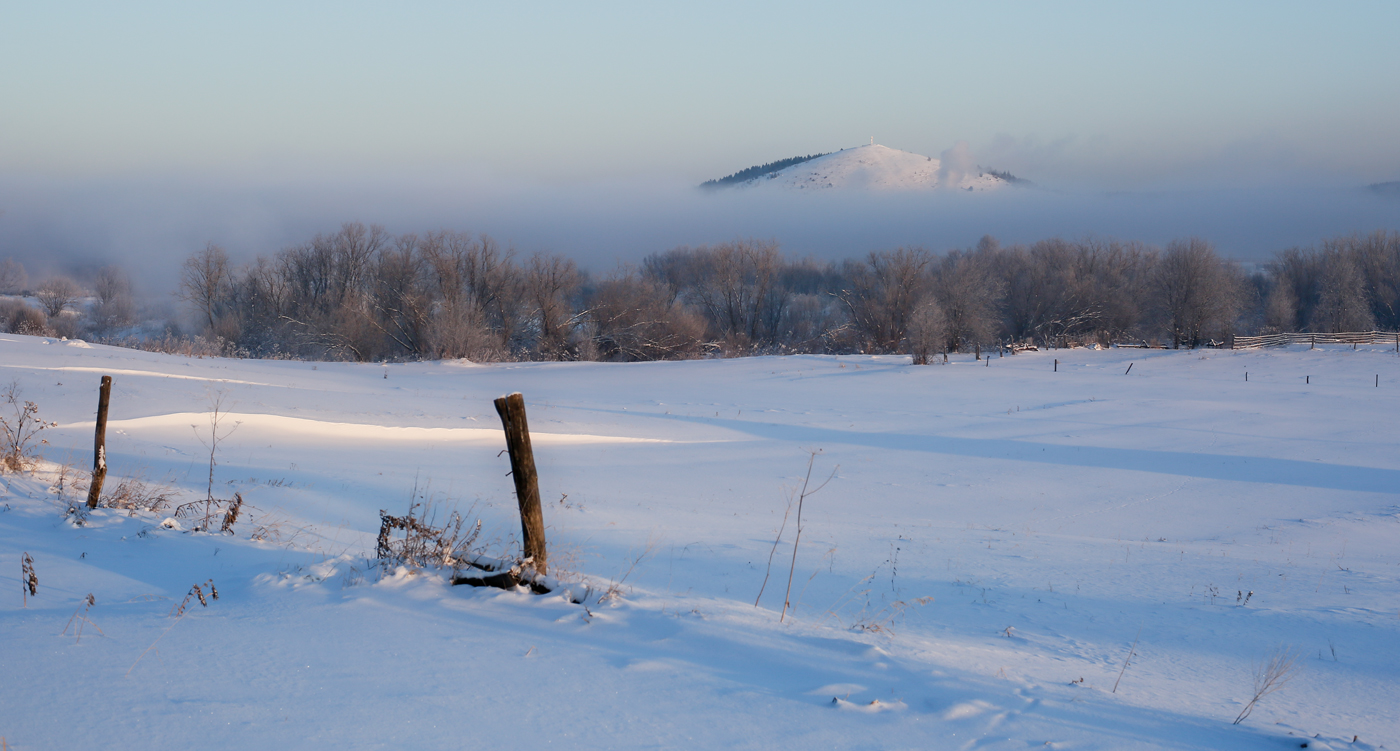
[(871, 167)]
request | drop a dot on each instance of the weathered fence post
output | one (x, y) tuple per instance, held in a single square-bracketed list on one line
[(1057, 365), (511, 408), (99, 448)]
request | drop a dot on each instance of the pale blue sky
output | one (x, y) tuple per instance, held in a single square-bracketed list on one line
[(1106, 95)]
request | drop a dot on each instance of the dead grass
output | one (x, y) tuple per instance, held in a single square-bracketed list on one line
[(425, 543), (133, 493), (615, 585), (80, 619), (210, 513)]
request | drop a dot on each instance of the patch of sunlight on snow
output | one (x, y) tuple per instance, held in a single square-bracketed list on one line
[(283, 428)]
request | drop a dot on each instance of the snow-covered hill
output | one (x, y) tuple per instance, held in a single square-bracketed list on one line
[(877, 167)]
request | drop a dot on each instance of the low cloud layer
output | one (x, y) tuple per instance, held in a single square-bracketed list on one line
[(151, 225)]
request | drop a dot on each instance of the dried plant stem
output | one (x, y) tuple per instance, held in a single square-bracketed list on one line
[(811, 459), (153, 644), (768, 571), (217, 413), (1269, 676), (81, 617), (180, 612), (1132, 651)]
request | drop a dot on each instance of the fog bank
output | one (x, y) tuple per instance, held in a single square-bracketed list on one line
[(149, 225)]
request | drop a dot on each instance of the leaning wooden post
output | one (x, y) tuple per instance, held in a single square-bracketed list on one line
[(527, 487), (99, 448)]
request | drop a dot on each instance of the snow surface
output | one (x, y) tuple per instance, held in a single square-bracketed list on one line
[(1054, 518), (874, 167)]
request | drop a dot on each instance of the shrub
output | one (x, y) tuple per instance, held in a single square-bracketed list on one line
[(19, 432)]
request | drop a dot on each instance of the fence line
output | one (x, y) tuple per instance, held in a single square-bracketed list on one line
[(1345, 337)]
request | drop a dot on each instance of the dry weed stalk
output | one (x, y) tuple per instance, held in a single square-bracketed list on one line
[(614, 588), (1270, 675), (231, 515), (134, 494), (811, 459), (69, 479), (208, 512), (28, 580), (179, 612), (1131, 651), (80, 616), (217, 413), (17, 438), (269, 530), (869, 619), (424, 543), (883, 619), (772, 551), (195, 591)]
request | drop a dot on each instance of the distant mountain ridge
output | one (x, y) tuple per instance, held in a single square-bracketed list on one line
[(870, 167), (751, 173)]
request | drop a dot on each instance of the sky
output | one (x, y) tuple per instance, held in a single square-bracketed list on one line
[(148, 127)]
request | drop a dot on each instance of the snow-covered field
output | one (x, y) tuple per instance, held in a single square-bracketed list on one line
[(1055, 518)]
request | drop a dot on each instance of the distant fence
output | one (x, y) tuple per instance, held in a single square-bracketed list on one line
[(1345, 337)]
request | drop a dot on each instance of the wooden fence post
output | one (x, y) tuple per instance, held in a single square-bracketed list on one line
[(511, 408), (99, 448)]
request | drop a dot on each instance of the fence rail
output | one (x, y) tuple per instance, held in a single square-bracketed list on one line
[(1345, 337)]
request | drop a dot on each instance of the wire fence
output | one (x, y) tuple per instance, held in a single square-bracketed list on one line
[(1344, 337)]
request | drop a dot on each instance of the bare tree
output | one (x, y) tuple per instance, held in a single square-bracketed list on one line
[(636, 318), (12, 277), (551, 285), (1198, 292), (476, 280), (1378, 255), (1341, 303), (928, 332), (206, 283), (330, 293), (969, 294), (883, 293), (115, 306), (57, 293), (402, 298)]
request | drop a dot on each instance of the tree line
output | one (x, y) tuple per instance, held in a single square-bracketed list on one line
[(364, 294)]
